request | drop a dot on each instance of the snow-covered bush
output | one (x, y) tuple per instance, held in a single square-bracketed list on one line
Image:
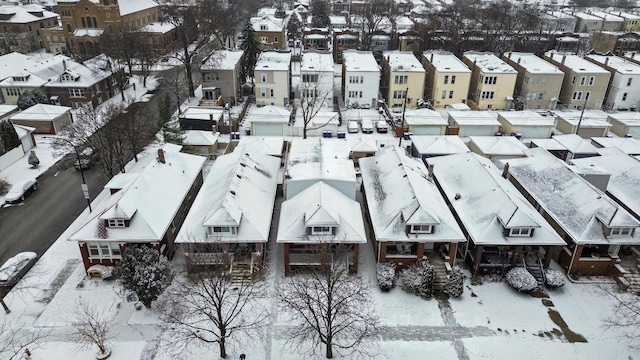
[(455, 283), (521, 279), (554, 278), (108, 273), (386, 274), (418, 279)]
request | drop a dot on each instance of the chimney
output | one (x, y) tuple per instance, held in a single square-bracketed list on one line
[(431, 58), (564, 57), (161, 156), (519, 60), (606, 61), (633, 54), (510, 53), (430, 171), (505, 170), (64, 65)]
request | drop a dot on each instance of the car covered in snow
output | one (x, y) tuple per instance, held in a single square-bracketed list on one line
[(20, 190), (14, 269)]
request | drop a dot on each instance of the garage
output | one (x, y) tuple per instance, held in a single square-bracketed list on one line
[(267, 129)]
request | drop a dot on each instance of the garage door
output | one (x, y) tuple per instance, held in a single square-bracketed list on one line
[(267, 129), (427, 130)]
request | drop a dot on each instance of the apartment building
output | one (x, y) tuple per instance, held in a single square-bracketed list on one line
[(22, 27), (557, 21), (360, 79), (222, 75), (631, 21), (447, 80), (403, 79), (615, 42), (610, 22), (588, 23), (493, 81), (273, 78), (539, 82), (624, 92), (584, 84), (316, 77), (269, 31)]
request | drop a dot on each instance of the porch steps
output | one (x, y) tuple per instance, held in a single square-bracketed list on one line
[(241, 274), (633, 282), (536, 271), (439, 276)]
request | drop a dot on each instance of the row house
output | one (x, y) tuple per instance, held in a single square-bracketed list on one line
[(343, 40), (585, 83), (539, 82), (338, 23), (587, 23), (360, 79), (492, 81), (269, 31), (403, 79), (409, 41), (409, 218), (447, 78), (272, 75), (616, 43), (623, 92), (84, 21), (610, 22), (502, 229), (631, 21), (222, 75), (593, 225), (224, 227), (316, 38), (22, 27), (316, 78), (557, 21), (138, 209)]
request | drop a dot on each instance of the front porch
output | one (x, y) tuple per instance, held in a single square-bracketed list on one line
[(248, 256), (404, 254), (315, 256), (493, 259), (591, 260)]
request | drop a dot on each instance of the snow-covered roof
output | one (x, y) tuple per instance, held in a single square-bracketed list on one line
[(239, 191), (631, 118), (144, 198), (316, 61), (399, 194), (580, 209), (624, 180), (41, 112), (560, 15), (619, 64), (474, 118), (433, 145), (321, 159), (498, 145), (267, 23), (606, 16), (7, 109), (274, 60), (445, 61), (268, 145), (526, 118), (200, 138), (202, 113), (487, 203), (402, 61), (267, 114), (533, 64), (321, 205), (337, 20), (37, 72), (23, 131), (575, 144), (590, 118), (424, 117), (157, 27), (489, 63), (629, 146), (128, 7), (89, 32), (585, 16), (355, 60), (25, 14), (223, 59), (576, 63), (629, 16)]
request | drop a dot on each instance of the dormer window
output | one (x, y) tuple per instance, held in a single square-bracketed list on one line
[(521, 232), (65, 77), (116, 223), (421, 229), (263, 27), (321, 230), (222, 230), (621, 231), (19, 78)]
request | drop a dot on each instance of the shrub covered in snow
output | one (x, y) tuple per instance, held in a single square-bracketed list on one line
[(521, 279), (554, 278), (418, 279), (455, 283), (144, 272), (386, 274)]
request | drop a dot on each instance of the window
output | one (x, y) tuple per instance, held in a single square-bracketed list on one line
[(356, 79), (621, 231), (583, 80), (65, 77), (211, 77), (490, 80), (106, 2), (321, 230), (490, 106), (263, 27), (76, 92), (446, 79), (421, 229), (444, 94), (540, 96), (520, 232), (401, 79), (116, 223), (398, 94), (104, 250), (263, 77), (629, 81), (275, 39), (587, 95), (271, 92), (13, 92), (93, 250), (310, 78), (453, 79), (592, 80), (263, 39), (451, 94), (624, 96), (263, 92), (487, 95), (309, 93), (577, 95), (544, 81), (526, 79)]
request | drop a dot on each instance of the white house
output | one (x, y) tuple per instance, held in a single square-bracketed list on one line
[(316, 79), (624, 86), (273, 78), (473, 123), (360, 79)]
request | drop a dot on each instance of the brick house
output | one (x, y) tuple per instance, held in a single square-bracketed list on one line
[(21, 27)]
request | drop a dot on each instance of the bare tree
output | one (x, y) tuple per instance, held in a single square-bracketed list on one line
[(92, 325), (10, 40), (626, 315), (373, 18), (208, 308), (313, 98), (137, 127), (14, 340), (329, 308)]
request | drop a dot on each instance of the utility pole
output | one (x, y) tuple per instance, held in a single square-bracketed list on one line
[(584, 106), (404, 108)]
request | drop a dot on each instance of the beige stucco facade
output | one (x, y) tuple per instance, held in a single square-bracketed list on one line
[(403, 76), (447, 79), (584, 83), (538, 83), (492, 81)]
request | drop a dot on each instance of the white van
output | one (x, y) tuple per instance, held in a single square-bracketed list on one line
[(381, 126), (353, 127), (367, 126)]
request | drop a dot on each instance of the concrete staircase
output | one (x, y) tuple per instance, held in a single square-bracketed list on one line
[(537, 272), (439, 276), (241, 274)]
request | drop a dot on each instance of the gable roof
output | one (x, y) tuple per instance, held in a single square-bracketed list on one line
[(41, 112), (133, 6), (498, 145), (629, 146), (143, 192), (321, 159), (438, 145), (321, 205), (222, 59), (487, 203), (399, 193), (270, 22), (239, 190), (578, 207)]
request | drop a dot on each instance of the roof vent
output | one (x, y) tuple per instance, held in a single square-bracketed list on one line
[(458, 196)]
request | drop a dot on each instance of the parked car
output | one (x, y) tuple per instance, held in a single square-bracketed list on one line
[(353, 126), (20, 190), (367, 126), (381, 126), (14, 269)]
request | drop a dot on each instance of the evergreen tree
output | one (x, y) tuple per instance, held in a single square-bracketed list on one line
[(9, 136), (455, 282), (418, 279), (144, 272), (386, 275), (426, 287), (294, 27), (251, 48), (170, 129), (320, 14), (29, 98)]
